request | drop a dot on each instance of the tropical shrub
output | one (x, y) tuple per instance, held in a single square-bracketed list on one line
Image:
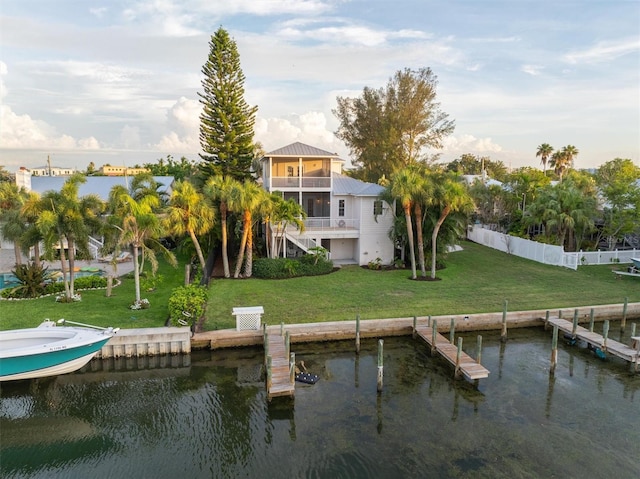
[(31, 277), (90, 282), (281, 268), (187, 304)]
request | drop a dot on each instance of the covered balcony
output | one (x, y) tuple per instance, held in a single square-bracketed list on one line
[(301, 173)]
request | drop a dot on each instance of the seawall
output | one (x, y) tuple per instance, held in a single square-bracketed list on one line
[(159, 341)]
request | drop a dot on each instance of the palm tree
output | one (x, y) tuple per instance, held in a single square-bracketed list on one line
[(222, 189), (138, 223), (277, 215), (450, 196), (564, 209), (249, 198), (67, 218), (13, 226), (422, 195), (403, 186), (31, 211), (563, 160), (188, 212), (544, 152)]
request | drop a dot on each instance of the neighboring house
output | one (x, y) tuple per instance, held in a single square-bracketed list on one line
[(98, 185), (109, 170), (52, 171), (344, 215)]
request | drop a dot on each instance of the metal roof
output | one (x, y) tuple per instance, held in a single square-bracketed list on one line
[(99, 185), (298, 149), (345, 185)]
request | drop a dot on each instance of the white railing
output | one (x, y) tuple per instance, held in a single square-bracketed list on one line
[(295, 182), (331, 224), (545, 253), (94, 246)]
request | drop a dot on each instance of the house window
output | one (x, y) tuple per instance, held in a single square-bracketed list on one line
[(377, 207), (340, 207)]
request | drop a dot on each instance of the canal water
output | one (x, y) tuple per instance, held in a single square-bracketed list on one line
[(206, 416)]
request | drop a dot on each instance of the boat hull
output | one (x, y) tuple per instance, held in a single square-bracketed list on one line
[(47, 351), (48, 364), (636, 262)]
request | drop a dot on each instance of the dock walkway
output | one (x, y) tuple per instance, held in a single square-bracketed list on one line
[(597, 340), (467, 367), (279, 381)]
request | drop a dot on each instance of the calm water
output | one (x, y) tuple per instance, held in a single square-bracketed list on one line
[(206, 415)]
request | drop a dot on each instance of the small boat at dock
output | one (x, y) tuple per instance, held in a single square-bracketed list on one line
[(49, 350), (636, 263)]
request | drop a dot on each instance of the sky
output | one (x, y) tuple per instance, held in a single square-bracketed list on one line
[(117, 81)]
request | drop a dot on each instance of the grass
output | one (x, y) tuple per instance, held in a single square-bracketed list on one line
[(95, 308), (476, 280)]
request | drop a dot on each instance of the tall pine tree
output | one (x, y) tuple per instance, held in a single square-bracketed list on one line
[(226, 121)]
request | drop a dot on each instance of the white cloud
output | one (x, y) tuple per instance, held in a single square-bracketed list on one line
[(98, 11), (604, 51), (88, 144), (183, 119), (342, 32), (310, 128), (269, 7), (533, 70), (466, 143)]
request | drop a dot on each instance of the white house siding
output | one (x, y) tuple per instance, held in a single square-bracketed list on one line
[(343, 249), (374, 235)]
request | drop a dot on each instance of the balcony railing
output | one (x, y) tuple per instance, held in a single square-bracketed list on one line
[(300, 182), (331, 224)]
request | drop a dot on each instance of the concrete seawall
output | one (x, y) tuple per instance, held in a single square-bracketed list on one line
[(147, 342), (375, 328), (130, 343)]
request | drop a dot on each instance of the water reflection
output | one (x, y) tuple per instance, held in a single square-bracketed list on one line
[(206, 415)]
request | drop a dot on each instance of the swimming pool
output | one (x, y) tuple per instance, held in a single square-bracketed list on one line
[(9, 280)]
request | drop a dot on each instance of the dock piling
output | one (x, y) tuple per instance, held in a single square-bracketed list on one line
[(292, 367), (287, 343), (503, 333), (554, 351), (452, 331), (605, 335), (592, 317), (358, 333), (380, 364), (415, 323), (266, 343), (575, 324), (458, 355), (623, 322), (434, 334), (479, 349)]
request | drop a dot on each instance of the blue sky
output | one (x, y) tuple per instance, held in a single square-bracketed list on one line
[(117, 81)]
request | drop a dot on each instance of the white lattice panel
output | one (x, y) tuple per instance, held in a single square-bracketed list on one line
[(248, 317)]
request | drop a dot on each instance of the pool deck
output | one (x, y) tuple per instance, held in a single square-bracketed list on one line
[(8, 263)]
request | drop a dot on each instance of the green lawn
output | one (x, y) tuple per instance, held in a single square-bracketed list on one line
[(476, 280), (95, 308)]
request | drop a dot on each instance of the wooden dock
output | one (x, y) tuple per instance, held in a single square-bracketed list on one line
[(280, 380), (597, 340), (465, 366)]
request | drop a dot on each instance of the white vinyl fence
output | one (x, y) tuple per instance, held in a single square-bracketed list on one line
[(545, 253)]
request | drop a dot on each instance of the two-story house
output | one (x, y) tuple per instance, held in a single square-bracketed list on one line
[(344, 215)]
